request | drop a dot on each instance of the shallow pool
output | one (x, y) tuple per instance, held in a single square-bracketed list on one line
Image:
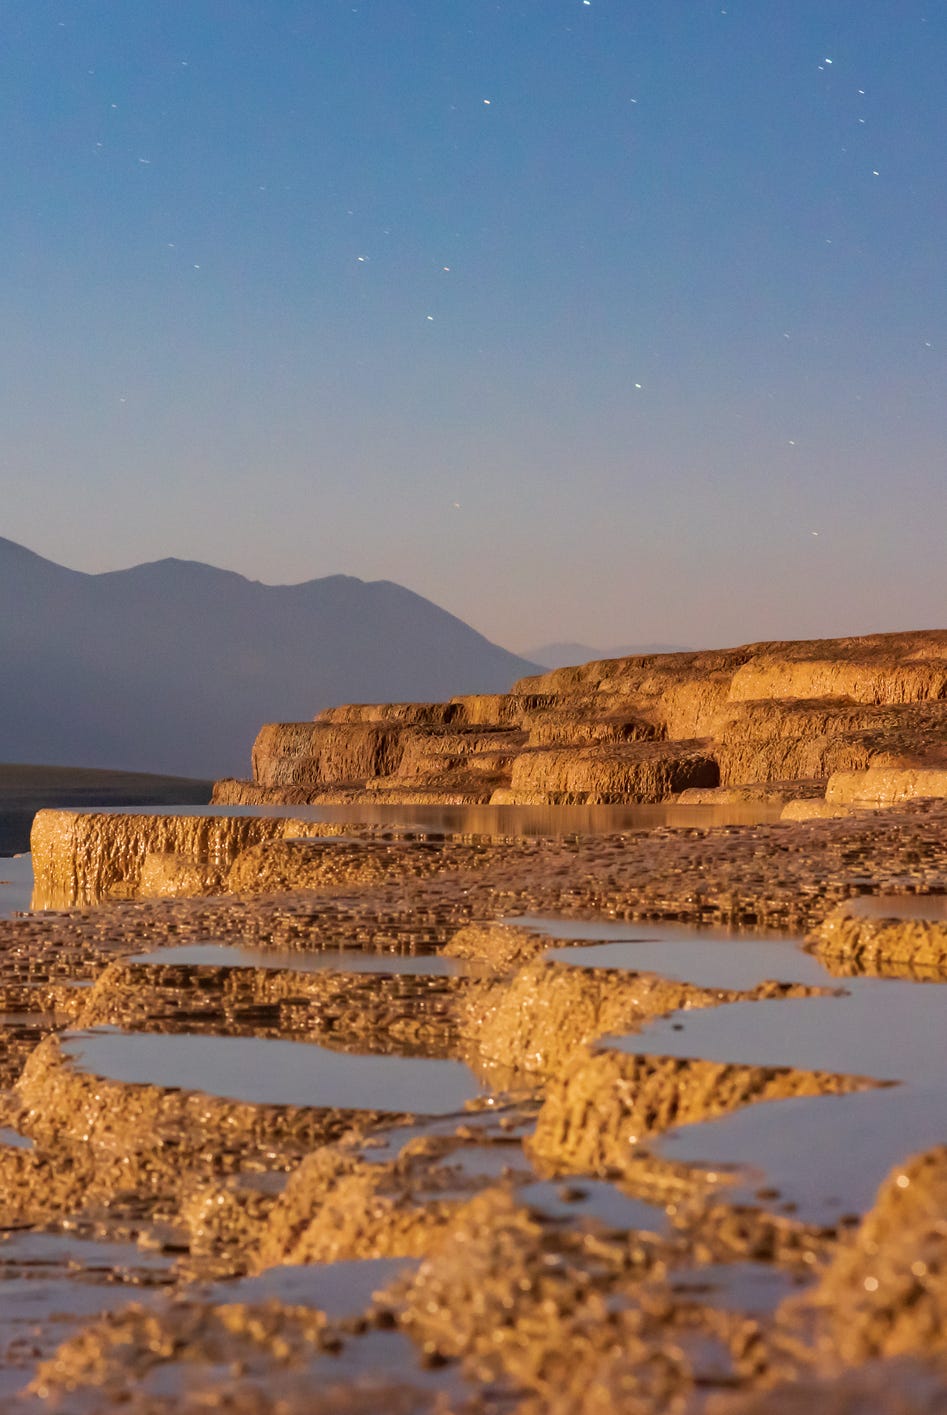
[(266, 1072)]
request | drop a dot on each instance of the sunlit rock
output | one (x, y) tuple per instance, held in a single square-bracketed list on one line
[(867, 715)]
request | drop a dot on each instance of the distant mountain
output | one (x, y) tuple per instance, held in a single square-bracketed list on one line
[(172, 667), (567, 655)]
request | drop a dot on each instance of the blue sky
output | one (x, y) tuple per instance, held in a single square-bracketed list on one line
[(615, 321)]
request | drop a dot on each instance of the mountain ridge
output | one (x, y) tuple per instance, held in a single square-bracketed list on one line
[(169, 666)]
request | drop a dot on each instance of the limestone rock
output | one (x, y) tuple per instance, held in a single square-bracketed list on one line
[(168, 874), (896, 1387), (885, 786), (872, 942), (600, 775), (809, 810), (80, 857), (880, 1305), (605, 1101), (867, 715)]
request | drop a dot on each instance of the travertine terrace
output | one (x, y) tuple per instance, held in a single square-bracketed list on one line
[(567, 1262), (822, 724), (550, 1243)]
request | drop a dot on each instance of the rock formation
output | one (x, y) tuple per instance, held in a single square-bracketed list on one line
[(831, 723), (564, 1244)]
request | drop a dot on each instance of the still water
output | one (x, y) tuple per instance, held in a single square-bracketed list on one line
[(491, 820), (711, 957), (339, 960), (16, 884), (827, 1155), (265, 1072)]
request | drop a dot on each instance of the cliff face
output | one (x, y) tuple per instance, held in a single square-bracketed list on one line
[(641, 729), (80, 857)]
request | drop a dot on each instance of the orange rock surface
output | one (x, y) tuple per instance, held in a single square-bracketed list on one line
[(865, 718)]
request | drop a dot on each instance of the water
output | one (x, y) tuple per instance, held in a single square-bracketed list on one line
[(821, 1159), (498, 1133), (30, 1253), (359, 1376), (341, 1290), (13, 1139), (16, 884), (757, 1288), (893, 1031), (491, 820), (488, 1163), (899, 906), (710, 958), (824, 1156), (340, 960), (265, 1072), (52, 1283), (592, 1199)]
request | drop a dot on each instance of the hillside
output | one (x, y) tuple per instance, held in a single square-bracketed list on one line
[(170, 667), (26, 789)]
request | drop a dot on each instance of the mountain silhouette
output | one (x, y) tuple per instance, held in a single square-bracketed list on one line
[(171, 667)]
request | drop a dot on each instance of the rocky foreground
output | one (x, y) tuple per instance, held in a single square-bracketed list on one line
[(544, 1245), (823, 724)]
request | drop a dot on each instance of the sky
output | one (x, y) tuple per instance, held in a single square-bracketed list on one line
[(617, 322)]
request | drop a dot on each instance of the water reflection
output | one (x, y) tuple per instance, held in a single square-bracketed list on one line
[(826, 1155), (339, 960), (931, 907), (816, 1157), (343, 1289), (53, 1283), (16, 884), (710, 958), (592, 1199), (492, 820), (265, 1072), (893, 1031)]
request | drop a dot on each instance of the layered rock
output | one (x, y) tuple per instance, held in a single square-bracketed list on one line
[(866, 715), (885, 786), (599, 1106), (83, 856), (883, 939), (564, 1259)]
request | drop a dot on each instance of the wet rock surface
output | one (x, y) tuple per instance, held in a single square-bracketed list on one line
[(539, 1245), (891, 942), (784, 875)]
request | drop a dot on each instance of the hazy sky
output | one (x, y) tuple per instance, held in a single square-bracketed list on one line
[(618, 321)]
